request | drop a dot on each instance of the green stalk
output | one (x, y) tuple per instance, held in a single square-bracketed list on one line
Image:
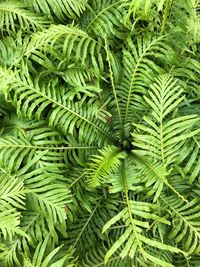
[(165, 14)]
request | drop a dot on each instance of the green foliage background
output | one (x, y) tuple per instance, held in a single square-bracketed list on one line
[(99, 133)]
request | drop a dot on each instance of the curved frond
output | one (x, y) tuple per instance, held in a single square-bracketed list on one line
[(61, 9), (140, 67), (46, 194), (67, 44), (162, 137), (189, 159), (11, 49), (104, 18), (14, 11), (133, 238), (135, 218), (12, 194), (95, 258), (86, 223), (43, 258), (154, 175), (9, 223), (34, 100), (185, 222), (133, 178), (104, 164)]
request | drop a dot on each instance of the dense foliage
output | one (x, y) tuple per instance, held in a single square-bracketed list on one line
[(99, 133)]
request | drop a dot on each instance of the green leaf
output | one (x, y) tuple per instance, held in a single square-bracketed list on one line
[(104, 164), (162, 137), (12, 10), (9, 223)]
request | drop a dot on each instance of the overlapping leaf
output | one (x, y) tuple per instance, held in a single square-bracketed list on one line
[(162, 137), (14, 10)]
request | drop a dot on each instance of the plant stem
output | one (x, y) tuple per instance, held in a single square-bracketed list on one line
[(165, 14)]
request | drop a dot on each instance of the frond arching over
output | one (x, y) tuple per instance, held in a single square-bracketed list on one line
[(162, 137), (99, 133), (27, 20)]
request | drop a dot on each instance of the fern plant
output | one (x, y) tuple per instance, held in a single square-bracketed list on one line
[(99, 133)]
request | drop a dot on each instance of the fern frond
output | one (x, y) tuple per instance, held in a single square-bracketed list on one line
[(147, 10), (43, 188), (99, 114), (192, 21), (154, 175), (4, 108), (46, 195), (37, 228), (143, 10), (79, 77), (162, 137), (140, 67), (188, 75), (43, 259), (79, 115), (189, 159), (185, 222), (12, 156), (15, 151), (133, 179), (27, 138), (67, 43), (11, 49), (12, 193), (95, 258), (8, 254), (114, 71), (193, 28), (86, 223), (75, 180), (62, 10), (29, 223), (103, 165), (9, 223), (104, 18), (160, 258), (133, 239), (13, 11)]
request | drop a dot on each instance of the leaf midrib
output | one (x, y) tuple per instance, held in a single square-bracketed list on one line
[(134, 73), (61, 105), (186, 222), (102, 11), (17, 12)]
